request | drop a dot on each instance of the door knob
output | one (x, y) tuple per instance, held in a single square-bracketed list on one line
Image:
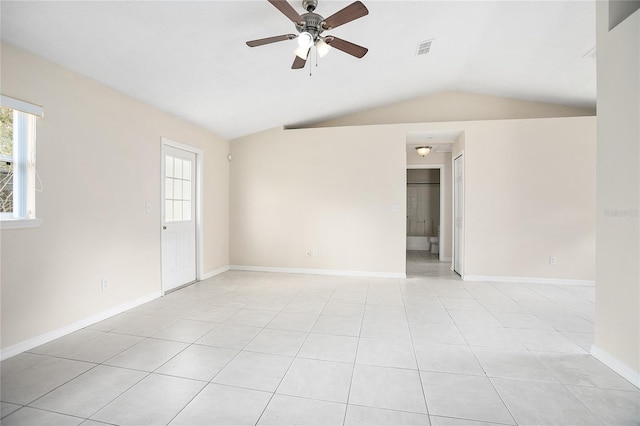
[(164, 227)]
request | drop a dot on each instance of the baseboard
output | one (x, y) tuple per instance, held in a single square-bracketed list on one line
[(616, 365), (215, 272), (528, 280), (446, 259), (319, 271), (18, 348)]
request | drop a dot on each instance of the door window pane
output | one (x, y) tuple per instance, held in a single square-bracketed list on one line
[(178, 169), (177, 189), (168, 188), (186, 190), (177, 211)]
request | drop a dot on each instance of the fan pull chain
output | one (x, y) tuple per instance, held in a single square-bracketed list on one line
[(310, 74)]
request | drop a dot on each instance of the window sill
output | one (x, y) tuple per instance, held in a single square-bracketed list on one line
[(20, 223)]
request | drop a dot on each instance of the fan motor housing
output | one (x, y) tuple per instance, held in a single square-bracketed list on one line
[(312, 23)]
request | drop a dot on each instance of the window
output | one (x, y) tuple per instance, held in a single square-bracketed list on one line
[(17, 163), (178, 192)]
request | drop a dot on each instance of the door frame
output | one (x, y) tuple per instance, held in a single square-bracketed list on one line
[(199, 153), (441, 256), (459, 155)]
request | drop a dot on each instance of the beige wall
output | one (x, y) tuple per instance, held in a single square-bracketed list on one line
[(331, 190), (529, 194), (455, 106), (98, 155), (617, 337)]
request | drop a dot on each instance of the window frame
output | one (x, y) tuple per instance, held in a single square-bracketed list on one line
[(25, 115)]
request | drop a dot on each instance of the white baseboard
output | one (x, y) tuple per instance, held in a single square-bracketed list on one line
[(18, 348), (446, 259), (215, 272), (319, 271), (616, 365), (528, 280)]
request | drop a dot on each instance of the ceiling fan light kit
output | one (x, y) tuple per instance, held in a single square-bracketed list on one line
[(322, 48), (305, 40), (310, 27)]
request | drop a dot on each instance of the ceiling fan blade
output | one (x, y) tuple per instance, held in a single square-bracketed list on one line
[(350, 13), (299, 63), (346, 46), (288, 10), (263, 41)]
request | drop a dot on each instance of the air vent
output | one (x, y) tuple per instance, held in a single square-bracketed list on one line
[(424, 47)]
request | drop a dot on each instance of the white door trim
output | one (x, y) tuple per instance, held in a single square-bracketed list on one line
[(199, 153), (460, 155), (443, 188)]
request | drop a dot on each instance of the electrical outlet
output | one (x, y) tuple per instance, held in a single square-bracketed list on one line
[(552, 260), (314, 253), (105, 284)]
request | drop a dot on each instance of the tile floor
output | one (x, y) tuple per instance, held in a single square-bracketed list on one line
[(280, 349)]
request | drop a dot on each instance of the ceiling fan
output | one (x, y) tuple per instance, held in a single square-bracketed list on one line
[(310, 27)]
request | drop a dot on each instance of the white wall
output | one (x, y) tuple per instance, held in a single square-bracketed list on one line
[(529, 194), (98, 155), (617, 326)]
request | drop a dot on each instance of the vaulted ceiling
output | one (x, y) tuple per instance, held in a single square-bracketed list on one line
[(189, 58)]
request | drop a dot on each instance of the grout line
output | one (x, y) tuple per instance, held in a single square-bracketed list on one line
[(415, 356), (48, 411), (355, 357), (293, 359), (472, 420)]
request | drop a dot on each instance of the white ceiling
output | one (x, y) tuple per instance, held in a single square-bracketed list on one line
[(189, 57)]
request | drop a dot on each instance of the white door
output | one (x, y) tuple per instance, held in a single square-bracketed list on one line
[(458, 213), (178, 218)]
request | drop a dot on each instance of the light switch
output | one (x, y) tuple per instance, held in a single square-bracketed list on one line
[(395, 208)]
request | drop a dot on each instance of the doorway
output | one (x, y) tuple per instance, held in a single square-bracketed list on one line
[(458, 215), (179, 217), (425, 192)]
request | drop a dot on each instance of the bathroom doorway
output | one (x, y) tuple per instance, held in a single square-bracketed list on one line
[(425, 202)]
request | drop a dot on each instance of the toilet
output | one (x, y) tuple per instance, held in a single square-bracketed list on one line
[(433, 241)]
